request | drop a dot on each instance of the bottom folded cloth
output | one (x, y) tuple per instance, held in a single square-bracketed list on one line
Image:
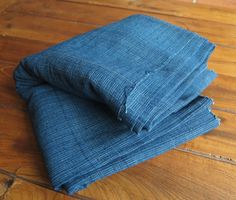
[(82, 141), (141, 70)]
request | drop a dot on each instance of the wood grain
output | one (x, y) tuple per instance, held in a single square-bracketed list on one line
[(76, 12), (12, 188), (43, 29), (219, 143), (171, 8), (229, 4), (174, 175), (5, 4), (54, 30), (39, 28), (203, 168), (17, 48)]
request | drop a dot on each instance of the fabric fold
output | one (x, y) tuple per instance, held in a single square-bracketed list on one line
[(116, 96)]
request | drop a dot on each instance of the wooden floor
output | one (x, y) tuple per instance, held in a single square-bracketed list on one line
[(204, 168)]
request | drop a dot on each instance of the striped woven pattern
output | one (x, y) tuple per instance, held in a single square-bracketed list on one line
[(116, 96)]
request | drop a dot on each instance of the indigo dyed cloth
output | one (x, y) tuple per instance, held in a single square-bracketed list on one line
[(116, 96)]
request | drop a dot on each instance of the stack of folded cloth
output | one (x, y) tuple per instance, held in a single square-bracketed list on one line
[(116, 96)]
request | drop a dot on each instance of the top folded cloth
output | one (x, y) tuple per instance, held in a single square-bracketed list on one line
[(135, 66), (147, 72)]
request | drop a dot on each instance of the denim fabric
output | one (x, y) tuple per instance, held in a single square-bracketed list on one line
[(116, 96)]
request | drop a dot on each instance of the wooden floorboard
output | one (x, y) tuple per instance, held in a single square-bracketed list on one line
[(229, 4), (5, 4), (173, 175), (76, 12), (170, 8), (13, 188), (50, 30), (204, 168)]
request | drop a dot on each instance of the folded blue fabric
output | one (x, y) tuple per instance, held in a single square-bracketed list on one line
[(116, 96)]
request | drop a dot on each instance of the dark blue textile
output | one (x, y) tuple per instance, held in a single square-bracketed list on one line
[(111, 98)]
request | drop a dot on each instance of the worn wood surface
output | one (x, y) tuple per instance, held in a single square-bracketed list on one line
[(14, 188), (204, 168)]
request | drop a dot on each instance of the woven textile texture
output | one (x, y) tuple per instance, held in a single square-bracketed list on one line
[(116, 96)]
